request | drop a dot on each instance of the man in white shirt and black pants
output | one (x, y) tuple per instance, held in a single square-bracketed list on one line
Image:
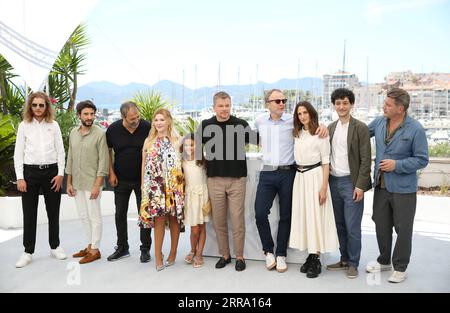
[(39, 160)]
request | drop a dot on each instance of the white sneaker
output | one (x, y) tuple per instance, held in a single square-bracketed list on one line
[(397, 277), (375, 267), (24, 260), (270, 261), (58, 253), (281, 264)]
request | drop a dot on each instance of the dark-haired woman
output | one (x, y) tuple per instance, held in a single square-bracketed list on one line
[(197, 204), (312, 227)]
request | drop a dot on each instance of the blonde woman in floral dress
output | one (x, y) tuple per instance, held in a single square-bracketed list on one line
[(162, 186)]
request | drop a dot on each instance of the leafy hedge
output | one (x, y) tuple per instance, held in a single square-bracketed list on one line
[(441, 150), (8, 130)]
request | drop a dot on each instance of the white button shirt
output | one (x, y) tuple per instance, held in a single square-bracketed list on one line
[(339, 153), (39, 143)]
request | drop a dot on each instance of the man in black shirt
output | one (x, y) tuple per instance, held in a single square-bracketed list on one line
[(225, 137), (126, 137)]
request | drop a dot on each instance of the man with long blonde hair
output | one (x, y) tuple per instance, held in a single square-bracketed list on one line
[(39, 160)]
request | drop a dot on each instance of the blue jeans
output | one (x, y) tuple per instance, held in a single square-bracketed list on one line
[(348, 215), (270, 184)]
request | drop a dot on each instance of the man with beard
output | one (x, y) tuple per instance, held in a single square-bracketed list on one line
[(125, 140), (87, 165), (401, 150)]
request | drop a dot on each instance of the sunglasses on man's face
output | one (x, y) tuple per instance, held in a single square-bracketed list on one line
[(35, 105), (278, 101)]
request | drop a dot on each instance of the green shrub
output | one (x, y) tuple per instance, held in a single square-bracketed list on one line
[(190, 126), (67, 120), (149, 102), (441, 150), (8, 130)]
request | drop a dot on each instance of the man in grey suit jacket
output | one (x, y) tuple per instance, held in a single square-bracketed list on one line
[(349, 179)]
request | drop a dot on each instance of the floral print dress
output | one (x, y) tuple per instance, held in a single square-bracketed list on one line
[(163, 189)]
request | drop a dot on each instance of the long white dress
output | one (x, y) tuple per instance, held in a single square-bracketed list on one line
[(196, 194), (313, 227)]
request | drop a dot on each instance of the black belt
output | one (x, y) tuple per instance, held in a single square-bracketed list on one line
[(305, 168), (41, 167), (276, 168)]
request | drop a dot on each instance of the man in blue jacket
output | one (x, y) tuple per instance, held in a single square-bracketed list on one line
[(401, 150)]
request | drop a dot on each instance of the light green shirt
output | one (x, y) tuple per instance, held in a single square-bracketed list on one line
[(87, 158)]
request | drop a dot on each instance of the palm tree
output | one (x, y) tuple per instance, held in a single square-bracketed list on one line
[(63, 79), (149, 102), (11, 96), (190, 126), (8, 130), (5, 67), (62, 85)]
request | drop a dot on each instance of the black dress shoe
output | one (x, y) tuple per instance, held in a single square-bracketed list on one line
[(315, 268), (305, 266), (145, 256), (120, 253), (222, 262), (240, 265)]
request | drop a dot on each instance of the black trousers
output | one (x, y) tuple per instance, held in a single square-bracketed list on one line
[(37, 179), (122, 193)]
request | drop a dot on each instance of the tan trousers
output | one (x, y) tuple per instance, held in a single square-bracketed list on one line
[(228, 193)]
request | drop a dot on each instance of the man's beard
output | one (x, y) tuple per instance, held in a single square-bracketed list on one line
[(87, 123), (134, 125)]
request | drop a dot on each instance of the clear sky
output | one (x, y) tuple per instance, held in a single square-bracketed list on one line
[(149, 40)]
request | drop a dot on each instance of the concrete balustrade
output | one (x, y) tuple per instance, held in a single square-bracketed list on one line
[(436, 174)]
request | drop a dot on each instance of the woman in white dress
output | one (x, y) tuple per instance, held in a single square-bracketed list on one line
[(312, 226), (197, 205)]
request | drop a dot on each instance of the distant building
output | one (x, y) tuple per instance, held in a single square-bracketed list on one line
[(430, 92), (333, 81), (369, 99)]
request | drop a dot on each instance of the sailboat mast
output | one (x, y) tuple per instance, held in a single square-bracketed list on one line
[(343, 61), (297, 93), (195, 89)]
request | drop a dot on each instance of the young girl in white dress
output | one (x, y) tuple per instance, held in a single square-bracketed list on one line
[(312, 226), (197, 205)]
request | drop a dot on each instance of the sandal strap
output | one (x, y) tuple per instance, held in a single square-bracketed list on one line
[(190, 257), (198, 261)]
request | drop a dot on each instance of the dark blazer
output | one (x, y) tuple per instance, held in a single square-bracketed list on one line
[(359, 152)]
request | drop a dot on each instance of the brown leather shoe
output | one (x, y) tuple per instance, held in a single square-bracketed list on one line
[(82, 253), (91, 258)]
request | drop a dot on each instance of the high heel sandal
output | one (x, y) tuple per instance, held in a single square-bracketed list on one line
[(160, 267), (198, 262), (190, 257), (170, 263)]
